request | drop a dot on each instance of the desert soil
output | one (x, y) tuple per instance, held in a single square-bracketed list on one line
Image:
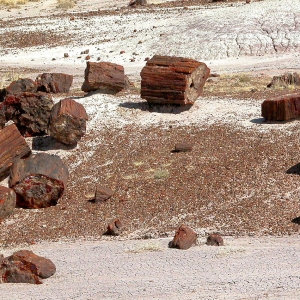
[(241, 179)]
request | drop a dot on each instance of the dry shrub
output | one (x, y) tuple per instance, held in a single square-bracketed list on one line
[(15, 3), (65, 4)]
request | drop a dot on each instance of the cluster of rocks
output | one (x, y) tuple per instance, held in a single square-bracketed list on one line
[(25, 267)]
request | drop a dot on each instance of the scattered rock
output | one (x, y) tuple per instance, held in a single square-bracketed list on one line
[(39, 180), (214, 240), (285, 80), (101, 194), (40, 266), (114, 228), (66, 54), (87, 51), (122, 52), (67, 122), (183, 147), (173, 80), (54, 82), (105, 77), (7, 202), (184, 238), (21, 86), (281, 108), (137, 2)]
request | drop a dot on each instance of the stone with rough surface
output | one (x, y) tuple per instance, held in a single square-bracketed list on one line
[(7, 202), (54, 82), (214, 240), (184, 238)]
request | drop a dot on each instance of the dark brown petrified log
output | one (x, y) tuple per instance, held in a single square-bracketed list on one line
[(7, 202), (39, 180), (281, 108), (183, 147), (104, 76), (173, 80), (54, 82), (12, 147), (67, 121)]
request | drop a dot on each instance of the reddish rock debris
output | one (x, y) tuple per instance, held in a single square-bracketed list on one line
[(184, 238), (54, 82), (114, 228), (7, 202), (214, 240)]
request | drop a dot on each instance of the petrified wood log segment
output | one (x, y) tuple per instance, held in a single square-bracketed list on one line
[(67, 121), (12, 147), (39, 180), (173, 80), (54, 82), (183, 147), (104, 76), (29, 111), (7, 202), (282, 108), (184, 238), (20, 86)]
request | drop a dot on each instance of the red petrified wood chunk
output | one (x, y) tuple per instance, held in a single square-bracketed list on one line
[(114, 227), (12, 147), (7, 202), (214, 240), (39, 180), (173, 80), (104, 76), (281, 108), (39, 265), (54, 82), (184, 238), (67, 121)]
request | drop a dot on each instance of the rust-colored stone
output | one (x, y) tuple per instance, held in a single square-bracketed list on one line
[(54, 82), (214, 240), (114, 227), (184, 238), (173, 80)]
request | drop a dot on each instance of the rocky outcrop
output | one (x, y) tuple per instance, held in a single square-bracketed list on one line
[(54, 82), (184, 238), (173, 80), (282, 108), (67, 121)]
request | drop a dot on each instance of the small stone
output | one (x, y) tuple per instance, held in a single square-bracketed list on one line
[(214, 240), (122, 52), (87, 57), (87, 51), (66, 54), (114, 227)]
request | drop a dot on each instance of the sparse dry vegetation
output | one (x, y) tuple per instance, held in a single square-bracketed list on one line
[(15, 3), (65, 4)]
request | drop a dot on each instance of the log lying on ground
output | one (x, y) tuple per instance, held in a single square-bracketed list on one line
[(281, 108), (54, 82), (7, 202), (104, 76), (173, 80), (29, 111), (67, 121), (39, 180), (12, 147)]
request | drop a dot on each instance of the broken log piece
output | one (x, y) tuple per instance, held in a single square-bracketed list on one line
[(39, 180), (114, 228), (184, 238), (173, 80), (183, 147), (101, 194), (67, 122), (54, 82), (281, 108), (285, 80), (12, 147), (214, 239), (21, 85), (105, 77), (29, 111), (7, 202)]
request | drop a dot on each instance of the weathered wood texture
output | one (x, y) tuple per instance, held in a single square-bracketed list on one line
[(39, 180), (7, 202), (29, 111), (67, 121), (105, 77), (173, 80), (54, 82), (12, 147), (282, 108)]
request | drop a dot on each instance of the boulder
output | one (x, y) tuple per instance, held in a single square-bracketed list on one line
[(54, 82), (67, 121), (39, 180), (281, 108), (104, 77), (184, 238), (29, 111), (38, 265), (214, 240), (16, 272), (114, 227), (173, 80), (7, 202)]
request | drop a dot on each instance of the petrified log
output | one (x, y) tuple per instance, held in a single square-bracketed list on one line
[(282, 108), (101, 194), (40, 266), (21, 85), (137, 2), (12, 147), (114, 228), (67, 121), (29, 111), (214, 240), (285, 80), (173, 80), (7, 202), (54, 82), (184, 238), (39, 180), (104, 76), (183, 147)]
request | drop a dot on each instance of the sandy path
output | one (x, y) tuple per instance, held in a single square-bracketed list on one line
[(256, 268)]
